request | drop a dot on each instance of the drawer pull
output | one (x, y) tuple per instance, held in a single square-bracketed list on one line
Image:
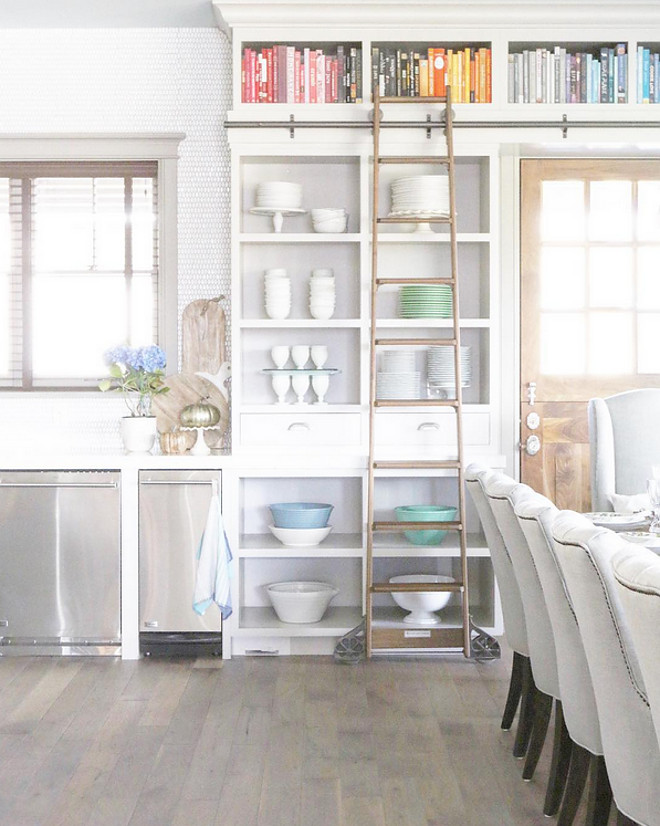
[(298, 426), (429, 426)]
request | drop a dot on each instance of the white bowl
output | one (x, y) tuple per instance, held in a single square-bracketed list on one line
[(301, 537), (301, 602), (331, 224), (421, 604)]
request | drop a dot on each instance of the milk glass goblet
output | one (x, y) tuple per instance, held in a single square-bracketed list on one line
[(300, 384), (320, 384), (653, 489), (319, 355), (281, 383), (280, 355), (300, 355)]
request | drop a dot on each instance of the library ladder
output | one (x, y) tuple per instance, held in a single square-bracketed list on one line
[(386, 632)]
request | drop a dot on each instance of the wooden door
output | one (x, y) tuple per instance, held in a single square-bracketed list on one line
[(590, 306)]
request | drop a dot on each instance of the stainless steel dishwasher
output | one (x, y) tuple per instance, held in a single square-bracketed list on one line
[(60, 562), (173, 507)]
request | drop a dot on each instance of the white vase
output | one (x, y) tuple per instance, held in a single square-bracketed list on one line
[(138, 433)]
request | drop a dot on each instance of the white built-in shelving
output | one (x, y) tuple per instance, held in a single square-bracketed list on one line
[(319, 452)]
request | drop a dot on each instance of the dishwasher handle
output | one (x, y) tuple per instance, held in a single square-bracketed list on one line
[(59, 484), (177, 482)]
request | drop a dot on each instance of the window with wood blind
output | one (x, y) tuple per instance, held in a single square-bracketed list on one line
[(79, 268)]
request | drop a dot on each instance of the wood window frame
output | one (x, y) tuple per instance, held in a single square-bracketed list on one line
[(163, 149)]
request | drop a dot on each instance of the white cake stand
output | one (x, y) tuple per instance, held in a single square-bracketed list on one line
[(200, 448), (277, 213)]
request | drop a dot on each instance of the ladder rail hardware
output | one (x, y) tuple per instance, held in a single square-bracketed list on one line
[(443, 637)]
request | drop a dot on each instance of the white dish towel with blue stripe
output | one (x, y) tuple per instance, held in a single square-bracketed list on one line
[(212, 583)]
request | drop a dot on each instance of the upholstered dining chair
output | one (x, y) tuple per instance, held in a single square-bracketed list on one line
[(624, 440), (536, 515), (521, 685), (637, 574), (502, 492), (630, 745)]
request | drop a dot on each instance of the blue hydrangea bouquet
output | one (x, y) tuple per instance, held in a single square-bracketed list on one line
[(137, 372)]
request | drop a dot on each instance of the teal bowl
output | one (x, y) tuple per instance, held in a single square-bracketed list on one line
[(425, 513)]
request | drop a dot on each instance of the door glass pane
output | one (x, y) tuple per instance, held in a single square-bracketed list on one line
[(648, 211), (648, 351), (611, 277), (562, 278), (610, 211), (5, 238), (648, 278), (76, 318), (611, 344), (562, 344), (562, 211)]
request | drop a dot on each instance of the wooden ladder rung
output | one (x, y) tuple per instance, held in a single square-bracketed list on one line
[(416, 403), (415, 281), (423, 342), (422, 464), (409, 220), (416, 526), (439, 159), (415, 587)]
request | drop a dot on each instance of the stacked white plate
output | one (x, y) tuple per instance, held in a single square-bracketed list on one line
[(423, 196), (440, 366), (425, 301), (397, 377), (322, 293), (277, 293), (279, 195)]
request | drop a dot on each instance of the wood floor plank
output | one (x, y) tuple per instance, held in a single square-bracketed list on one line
[(300, 741)]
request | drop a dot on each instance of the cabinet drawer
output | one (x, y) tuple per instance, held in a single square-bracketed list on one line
[(430, 429), (300, 429)]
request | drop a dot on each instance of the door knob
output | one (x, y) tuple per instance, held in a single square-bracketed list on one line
[(531, 445)]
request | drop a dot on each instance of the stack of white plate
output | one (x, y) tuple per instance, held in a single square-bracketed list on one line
[(279, 195), (425, 301), (440, 366), (423, 196), (322, 293), (397, 377), (277, 293)]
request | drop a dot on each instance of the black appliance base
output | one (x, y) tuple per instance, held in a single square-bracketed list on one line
[(183, 644)]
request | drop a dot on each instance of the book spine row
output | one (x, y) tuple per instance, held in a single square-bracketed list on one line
[(648, 76), (557, 76), (402, 73), (286, 74)]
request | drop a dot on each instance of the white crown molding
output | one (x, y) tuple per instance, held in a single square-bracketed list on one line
[(386, 15), (83, 146)]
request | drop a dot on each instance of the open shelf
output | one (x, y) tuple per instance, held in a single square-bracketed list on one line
[(336, 622), (337, 544)]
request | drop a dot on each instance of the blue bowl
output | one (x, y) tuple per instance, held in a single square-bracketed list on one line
[(301, 514), (425, 513)]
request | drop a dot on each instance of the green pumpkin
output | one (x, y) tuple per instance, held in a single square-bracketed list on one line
[(200, 414)]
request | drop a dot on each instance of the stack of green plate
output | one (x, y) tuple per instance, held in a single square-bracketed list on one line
[(425, 301)]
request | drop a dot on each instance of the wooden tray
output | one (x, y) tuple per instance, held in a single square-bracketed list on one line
[(185, 389)]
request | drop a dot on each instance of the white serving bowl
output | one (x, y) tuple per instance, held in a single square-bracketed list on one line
[(335, 224), (301, 537), (421, 604), (327, 212), (301, 602)]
